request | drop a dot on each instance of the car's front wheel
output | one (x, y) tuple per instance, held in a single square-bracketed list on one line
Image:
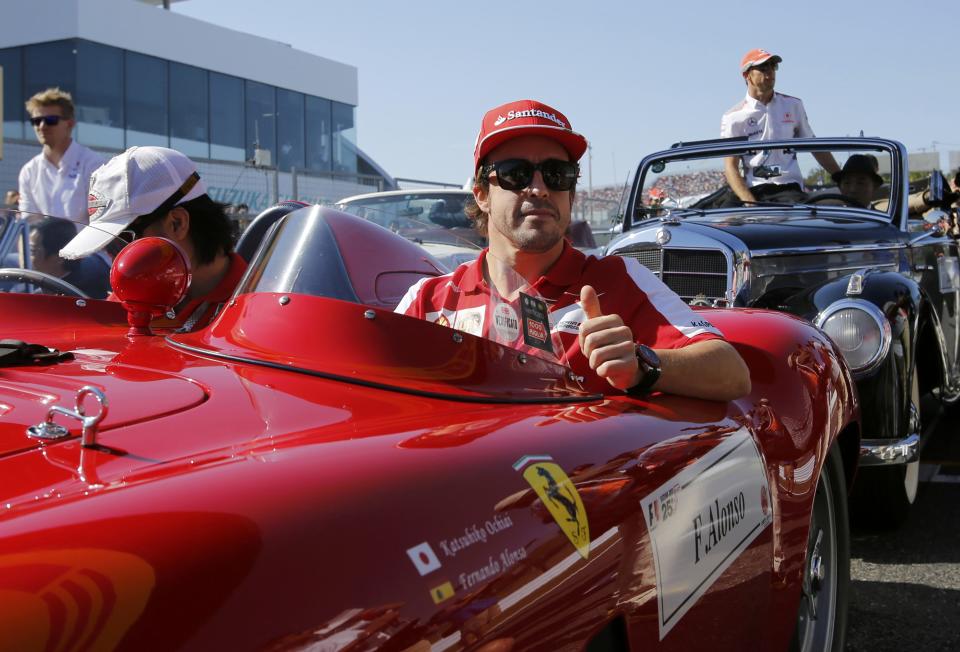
[(883, 495), (822, 616)]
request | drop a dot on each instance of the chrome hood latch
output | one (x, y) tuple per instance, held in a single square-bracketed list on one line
[(51, 431)]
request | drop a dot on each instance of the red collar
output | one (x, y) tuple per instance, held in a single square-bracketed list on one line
[(224, 288)]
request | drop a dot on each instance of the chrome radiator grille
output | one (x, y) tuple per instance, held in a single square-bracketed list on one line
[(694, 274)]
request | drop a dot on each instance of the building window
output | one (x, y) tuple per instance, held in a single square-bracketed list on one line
[(261, 108), (289, 130), (11, 60), (318, 134), (344, 139), (146, 100), (48, 65), (226, 118), (189, 111), (99, 97)]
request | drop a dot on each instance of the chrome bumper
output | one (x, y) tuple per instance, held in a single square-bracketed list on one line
[(879, 452)]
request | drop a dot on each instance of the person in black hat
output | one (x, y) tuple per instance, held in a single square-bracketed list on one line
[(859, 180)]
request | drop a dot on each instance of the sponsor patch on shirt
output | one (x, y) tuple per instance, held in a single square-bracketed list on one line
[(470, 320), (505, 323), (701, 520), (567, 319), (536, 326)]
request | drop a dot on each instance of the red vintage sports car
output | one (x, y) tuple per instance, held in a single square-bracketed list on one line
[(315, 472)]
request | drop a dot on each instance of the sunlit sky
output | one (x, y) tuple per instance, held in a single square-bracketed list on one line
[(633, 77)]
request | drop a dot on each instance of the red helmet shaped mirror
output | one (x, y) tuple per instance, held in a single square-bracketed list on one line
[(149, 276)]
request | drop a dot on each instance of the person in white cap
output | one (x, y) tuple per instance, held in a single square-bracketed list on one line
[(620, 328), (767, 115), (155, 191), (54, 182)]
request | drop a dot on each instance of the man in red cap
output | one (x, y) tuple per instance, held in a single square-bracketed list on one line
[(610, 319), (767, 115)]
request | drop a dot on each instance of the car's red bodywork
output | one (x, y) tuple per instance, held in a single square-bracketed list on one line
[(259, 484)]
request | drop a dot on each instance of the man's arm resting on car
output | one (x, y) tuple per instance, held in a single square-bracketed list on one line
[(735, 180), (711, 369)]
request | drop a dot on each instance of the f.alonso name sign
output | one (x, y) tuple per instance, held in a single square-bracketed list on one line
[(702, 520)]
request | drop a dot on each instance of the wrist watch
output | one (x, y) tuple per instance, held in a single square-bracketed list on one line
[(649, 363)]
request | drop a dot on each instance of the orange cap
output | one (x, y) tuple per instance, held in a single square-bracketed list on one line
[(756, 57)]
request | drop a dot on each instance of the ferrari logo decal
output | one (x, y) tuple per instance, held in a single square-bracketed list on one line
[(560, 497)]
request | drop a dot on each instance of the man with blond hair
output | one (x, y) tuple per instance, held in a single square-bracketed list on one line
[(55, 181)]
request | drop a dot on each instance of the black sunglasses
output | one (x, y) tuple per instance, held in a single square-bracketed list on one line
[(517, 173), (766, 66), (49, 120), (138, 226)]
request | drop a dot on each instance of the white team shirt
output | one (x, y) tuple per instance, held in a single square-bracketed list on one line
[(782, 118), (59, 191)]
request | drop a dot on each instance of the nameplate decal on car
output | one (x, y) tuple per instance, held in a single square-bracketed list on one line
[(559, 496), (702, 519), (427, 557)]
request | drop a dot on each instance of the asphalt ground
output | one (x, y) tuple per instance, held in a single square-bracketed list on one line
[(906, 583)]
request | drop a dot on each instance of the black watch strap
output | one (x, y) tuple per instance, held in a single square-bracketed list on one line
[(649, 364)]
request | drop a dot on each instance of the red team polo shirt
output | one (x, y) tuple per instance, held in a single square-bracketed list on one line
[(657, 316)]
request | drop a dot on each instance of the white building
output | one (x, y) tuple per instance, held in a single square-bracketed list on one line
[(216, 94)]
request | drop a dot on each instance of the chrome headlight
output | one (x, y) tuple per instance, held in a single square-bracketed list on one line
[(860, 331)]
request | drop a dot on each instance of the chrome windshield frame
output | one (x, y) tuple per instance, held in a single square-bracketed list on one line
[(735, 146)]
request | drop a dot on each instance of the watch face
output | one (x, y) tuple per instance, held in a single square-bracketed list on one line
[(648, 356)]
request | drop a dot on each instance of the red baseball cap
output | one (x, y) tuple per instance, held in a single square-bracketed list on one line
[(757, 57), (526, 118)]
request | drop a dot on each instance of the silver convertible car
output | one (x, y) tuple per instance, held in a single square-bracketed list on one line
[(870, 257)]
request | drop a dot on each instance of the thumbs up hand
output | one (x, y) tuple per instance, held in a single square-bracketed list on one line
[(607, 343)]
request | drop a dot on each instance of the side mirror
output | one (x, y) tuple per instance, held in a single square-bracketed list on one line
[(935, 221), (149, 276)]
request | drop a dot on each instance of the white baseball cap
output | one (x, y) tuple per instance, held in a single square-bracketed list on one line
[(140, 181)]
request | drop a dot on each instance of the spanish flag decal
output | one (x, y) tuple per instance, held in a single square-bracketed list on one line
[(442, 593), (559, 496)]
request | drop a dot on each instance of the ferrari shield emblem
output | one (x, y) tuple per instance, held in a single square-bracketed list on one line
[(560, 497)]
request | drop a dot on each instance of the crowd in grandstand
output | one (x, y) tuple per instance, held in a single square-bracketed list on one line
[(695, 183), (676, 186)]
